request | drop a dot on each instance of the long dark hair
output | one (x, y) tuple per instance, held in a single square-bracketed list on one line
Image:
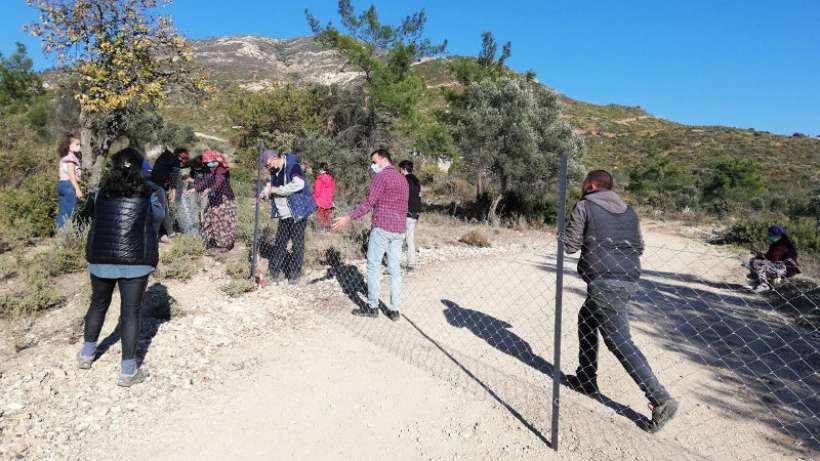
[(124, 177), (65, 144)]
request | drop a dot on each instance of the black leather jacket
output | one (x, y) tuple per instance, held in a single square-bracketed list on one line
[(122, 231)]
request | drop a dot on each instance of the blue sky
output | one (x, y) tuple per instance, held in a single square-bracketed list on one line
[(749, 64)]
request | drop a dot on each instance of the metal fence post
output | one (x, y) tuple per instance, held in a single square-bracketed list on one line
[(559, 292), (255, 243)]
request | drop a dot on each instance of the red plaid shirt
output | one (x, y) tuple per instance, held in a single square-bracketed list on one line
[(388, 200)]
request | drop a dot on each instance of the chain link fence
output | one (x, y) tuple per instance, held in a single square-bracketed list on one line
[(509, 321)]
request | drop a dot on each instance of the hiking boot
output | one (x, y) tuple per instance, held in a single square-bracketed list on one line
[(84, 362), (366, 312), (661, 415), (582, 385), (393, 315), (130, 380)]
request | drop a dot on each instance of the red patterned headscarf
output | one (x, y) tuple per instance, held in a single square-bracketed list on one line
[(214, 156)]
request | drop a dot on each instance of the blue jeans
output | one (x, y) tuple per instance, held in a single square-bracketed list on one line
[(382, 242), (66, 203)]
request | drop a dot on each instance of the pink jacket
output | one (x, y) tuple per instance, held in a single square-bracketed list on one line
[(323, 190)]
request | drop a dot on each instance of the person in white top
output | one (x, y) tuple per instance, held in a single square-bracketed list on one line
[(69, 173)]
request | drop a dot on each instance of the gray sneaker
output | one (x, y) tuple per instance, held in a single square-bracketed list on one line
[(661, 415), (84, 362), (130, 380)]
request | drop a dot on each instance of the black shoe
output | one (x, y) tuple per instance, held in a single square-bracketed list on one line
[(661, 415), (583, 385), (365, 312), (393, 315)]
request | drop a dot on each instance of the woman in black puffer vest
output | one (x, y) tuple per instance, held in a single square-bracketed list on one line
[(122, 250)]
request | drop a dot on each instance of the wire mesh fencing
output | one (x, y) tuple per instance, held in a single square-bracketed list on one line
[(743, 365)]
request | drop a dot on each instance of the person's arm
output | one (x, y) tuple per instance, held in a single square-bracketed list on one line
[(295, 185), (157, 210), (318, 186), (574, 233), (641, 244), (776, 253), (266, 191), (72, 176), (376, 190)]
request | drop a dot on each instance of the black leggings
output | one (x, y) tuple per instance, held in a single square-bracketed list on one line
[(132, 292)]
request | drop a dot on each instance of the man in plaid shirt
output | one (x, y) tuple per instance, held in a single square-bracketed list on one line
[(388, 201)]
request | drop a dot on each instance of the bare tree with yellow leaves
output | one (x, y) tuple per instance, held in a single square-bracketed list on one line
[(123, 54)]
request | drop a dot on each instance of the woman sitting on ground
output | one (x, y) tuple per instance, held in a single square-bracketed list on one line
[(122, 250), (778, 263)]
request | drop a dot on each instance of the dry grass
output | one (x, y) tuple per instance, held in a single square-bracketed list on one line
[(178, 260), (236, 288), (475, 238)]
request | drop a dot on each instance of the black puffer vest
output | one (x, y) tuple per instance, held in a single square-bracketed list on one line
[(612, 245), (122, 232)]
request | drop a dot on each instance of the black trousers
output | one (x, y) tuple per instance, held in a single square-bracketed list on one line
[(605, 310), (132, 292), (289, 231)]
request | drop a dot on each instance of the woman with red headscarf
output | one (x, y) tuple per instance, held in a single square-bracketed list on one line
[(219, 220)]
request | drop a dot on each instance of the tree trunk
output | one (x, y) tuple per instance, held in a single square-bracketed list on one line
[(92, 161), (479, 185), (492, 216)]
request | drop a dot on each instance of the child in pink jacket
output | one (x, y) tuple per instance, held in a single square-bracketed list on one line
[(323, 191)]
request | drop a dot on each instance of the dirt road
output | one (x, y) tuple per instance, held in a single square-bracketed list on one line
[(466, 373)]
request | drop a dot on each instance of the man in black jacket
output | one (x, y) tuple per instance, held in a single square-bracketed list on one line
[(607, 232), (413, 210)]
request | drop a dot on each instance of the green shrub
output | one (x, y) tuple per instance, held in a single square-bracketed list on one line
[(805, 232), (35, 294), (183, 246), (30, 210)]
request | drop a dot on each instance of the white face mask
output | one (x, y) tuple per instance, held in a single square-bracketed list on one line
[(375, 167), (75, 148)]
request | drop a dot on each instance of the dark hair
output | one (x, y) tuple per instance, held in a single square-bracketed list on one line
[(65, 144), (324, 167), (165, 157), (180, 150), (601, 178), (382, 153), (124, 176), (406, 165), (196, 163)]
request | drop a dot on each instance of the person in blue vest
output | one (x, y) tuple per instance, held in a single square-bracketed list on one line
[(607, 232), (292, 205)]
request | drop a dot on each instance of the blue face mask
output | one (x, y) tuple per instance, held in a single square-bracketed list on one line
[(772, 238), (375, 167), (213, 164)]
